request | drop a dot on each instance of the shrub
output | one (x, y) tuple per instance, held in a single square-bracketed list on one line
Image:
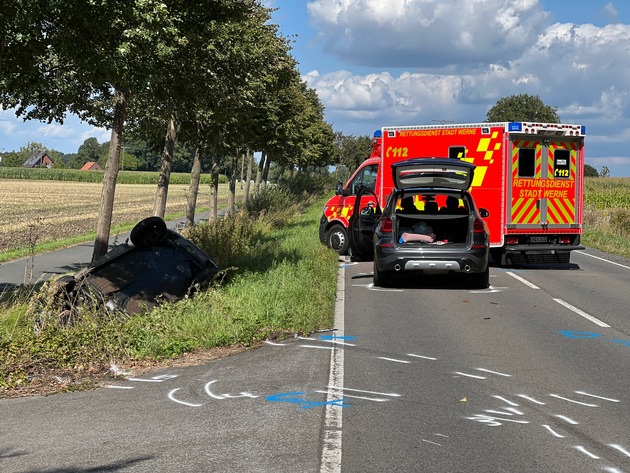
[(620, 221)]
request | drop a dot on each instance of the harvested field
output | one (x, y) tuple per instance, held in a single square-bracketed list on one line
[(33, 212)]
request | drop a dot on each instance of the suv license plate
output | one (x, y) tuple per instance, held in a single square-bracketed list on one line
[(538, 239)]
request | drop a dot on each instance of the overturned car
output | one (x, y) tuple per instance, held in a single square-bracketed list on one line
[(159, 265)]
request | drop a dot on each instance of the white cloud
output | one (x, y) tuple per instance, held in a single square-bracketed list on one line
[(611, 12), (54, 130), (427, 34)]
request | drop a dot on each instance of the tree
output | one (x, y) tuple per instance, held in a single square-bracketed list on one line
[(522, 107), (590, 171)]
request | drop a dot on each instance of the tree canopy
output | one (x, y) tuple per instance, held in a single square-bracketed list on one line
[(522, 108)]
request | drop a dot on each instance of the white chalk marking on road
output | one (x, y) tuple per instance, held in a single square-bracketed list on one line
[(604, 259), (470, 375), (531, 399), (553, 432), (331, 450), (620, 449), (494, 372), (372, 287), (494, 421), (375, 399), (581, 313), (568, 420), (586, 452), (312, 339), (275, 344), (612, 469), (507, 401), (315, 346), (209, 393), (146, 380), (434, 443), (516, 411), (501, 413), (573, 400), (523, 280), (393, 359), (111, 386), (339, 342), (596, 396), (442, 435), (423, 357), (171, 396), (337, 388)]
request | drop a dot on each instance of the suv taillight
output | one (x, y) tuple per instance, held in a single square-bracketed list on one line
[(385, 226), (479, 234)]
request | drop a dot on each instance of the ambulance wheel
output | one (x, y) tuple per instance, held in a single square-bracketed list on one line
[(337, 238)]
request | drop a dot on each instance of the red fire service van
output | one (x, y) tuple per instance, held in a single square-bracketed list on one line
[(529, 176)]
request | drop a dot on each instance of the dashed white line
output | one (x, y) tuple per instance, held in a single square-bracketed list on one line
[(494, 372), (111, 386), (582, 313), (470, 375), (523, 280)]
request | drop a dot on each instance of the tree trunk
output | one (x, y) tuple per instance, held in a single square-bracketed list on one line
[(232, 185), (259, 173), (248, 175), (265, 175), (243, 166), (193, 190), (214, 191), (106, 210), (159, 208)]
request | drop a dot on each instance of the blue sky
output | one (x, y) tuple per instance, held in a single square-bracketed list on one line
[(407, 62)]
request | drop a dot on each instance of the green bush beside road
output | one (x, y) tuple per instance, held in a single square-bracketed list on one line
[(278, 280)]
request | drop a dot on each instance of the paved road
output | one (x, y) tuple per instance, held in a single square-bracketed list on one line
[(528, 376)]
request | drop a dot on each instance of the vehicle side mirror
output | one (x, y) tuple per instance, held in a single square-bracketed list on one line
[(484, 213), (339, 188)]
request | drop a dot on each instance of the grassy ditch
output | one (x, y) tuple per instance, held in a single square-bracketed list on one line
[(279, 280)]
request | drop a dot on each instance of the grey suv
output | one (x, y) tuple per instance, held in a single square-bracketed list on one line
[(430, 223)]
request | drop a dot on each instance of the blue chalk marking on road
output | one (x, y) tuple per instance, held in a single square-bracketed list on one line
[(337, 337), (294, 398), (573, 334), (622, 342)]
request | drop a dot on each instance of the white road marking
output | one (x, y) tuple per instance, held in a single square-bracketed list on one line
[(337, 388), (494, 372), (171, 396), (586, 452), (365, 398), (392, 359), (523, 280), (315, 346), (567, 419), (372, 287), (274, 344), (434, 443), (573, 400), (331, 450), (620, 449), (531, 399), (582, 313), (596, 396), (338, 342), (507, 401), (553, 432), (423, 357), (604, 259), (111, 386), (470, 375)]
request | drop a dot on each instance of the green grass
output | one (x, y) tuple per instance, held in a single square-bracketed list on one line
[(284, 284)]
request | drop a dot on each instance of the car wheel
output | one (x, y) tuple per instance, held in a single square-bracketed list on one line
[(148, 232), (381, 278), (480, 280), (337, 239)]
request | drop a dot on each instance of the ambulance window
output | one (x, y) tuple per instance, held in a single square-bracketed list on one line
[(526, 162), (561, 164), (365, 178), (457, 152)]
